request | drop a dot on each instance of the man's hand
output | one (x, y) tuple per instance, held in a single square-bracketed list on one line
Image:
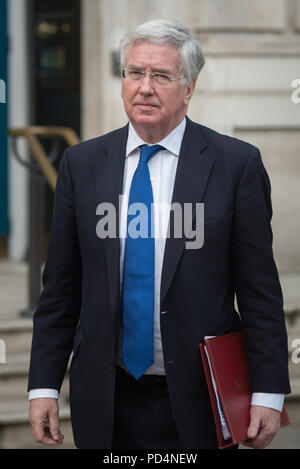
[(43, 416), (264, 425)]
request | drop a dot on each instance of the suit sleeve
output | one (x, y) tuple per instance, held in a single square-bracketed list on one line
[(58, 310), (256, 280)]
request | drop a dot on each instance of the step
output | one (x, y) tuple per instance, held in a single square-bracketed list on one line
[(15, 429), (290, 284), (17, 335), (14, 377), (14, 289), (292, 323)]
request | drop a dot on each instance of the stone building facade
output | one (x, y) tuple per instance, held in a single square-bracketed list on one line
[(247, 88)]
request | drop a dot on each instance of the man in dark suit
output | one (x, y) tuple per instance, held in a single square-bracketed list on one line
[(134, 308)]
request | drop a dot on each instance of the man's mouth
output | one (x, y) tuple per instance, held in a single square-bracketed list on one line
[(146, 105)]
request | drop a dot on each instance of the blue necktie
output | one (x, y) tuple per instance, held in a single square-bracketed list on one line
[(138, 280)]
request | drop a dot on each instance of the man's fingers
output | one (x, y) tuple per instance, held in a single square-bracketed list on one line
[(49, 437), (263, 439), (54, 425), (42, 435), (264, 425), (254, 426), (42, 415)]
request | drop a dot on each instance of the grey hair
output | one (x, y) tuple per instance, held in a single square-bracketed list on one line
[(172, 33)]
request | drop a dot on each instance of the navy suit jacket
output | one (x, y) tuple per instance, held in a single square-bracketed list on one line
[(80, 307)]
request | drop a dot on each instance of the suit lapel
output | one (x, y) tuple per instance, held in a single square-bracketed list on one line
[(109, 183), (193, 171)]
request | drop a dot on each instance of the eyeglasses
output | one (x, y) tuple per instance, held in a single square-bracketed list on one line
[(160, 79)]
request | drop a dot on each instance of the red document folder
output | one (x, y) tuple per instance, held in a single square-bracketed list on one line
[(229, 365)]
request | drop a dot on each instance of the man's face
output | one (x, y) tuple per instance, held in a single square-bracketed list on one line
[(155, 110)]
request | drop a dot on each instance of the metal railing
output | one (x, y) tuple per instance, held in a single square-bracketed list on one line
[(44, 162), (41, 168)]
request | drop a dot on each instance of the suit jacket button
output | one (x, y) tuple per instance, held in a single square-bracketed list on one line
[(112, 367)]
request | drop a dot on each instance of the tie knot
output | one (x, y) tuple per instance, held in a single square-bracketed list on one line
[(148, 151)]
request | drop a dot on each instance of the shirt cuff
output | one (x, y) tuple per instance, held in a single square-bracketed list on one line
[(43, 393), (273, 401)]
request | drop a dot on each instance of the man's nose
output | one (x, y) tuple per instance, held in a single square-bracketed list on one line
[(146, 86)]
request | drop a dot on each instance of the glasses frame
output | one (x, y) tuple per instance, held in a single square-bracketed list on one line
[(124, 73)]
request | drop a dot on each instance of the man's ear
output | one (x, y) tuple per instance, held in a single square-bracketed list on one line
[(190, 88)]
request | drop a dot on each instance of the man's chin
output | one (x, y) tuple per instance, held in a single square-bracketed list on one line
[(147, 120)]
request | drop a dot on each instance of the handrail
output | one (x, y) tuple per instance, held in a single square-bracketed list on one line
[(32, 133)]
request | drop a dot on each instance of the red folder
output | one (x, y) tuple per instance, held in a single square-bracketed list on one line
[(229, 365)]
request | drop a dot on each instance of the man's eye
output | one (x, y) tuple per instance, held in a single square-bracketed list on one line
[(135, 74), (161, 78)]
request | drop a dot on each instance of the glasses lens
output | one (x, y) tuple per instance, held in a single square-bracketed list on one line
[(134, 75), (161, 79)]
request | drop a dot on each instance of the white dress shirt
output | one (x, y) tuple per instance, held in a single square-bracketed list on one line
[(162, 169)]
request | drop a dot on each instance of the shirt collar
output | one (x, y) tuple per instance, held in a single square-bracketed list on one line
[(172, 142)]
